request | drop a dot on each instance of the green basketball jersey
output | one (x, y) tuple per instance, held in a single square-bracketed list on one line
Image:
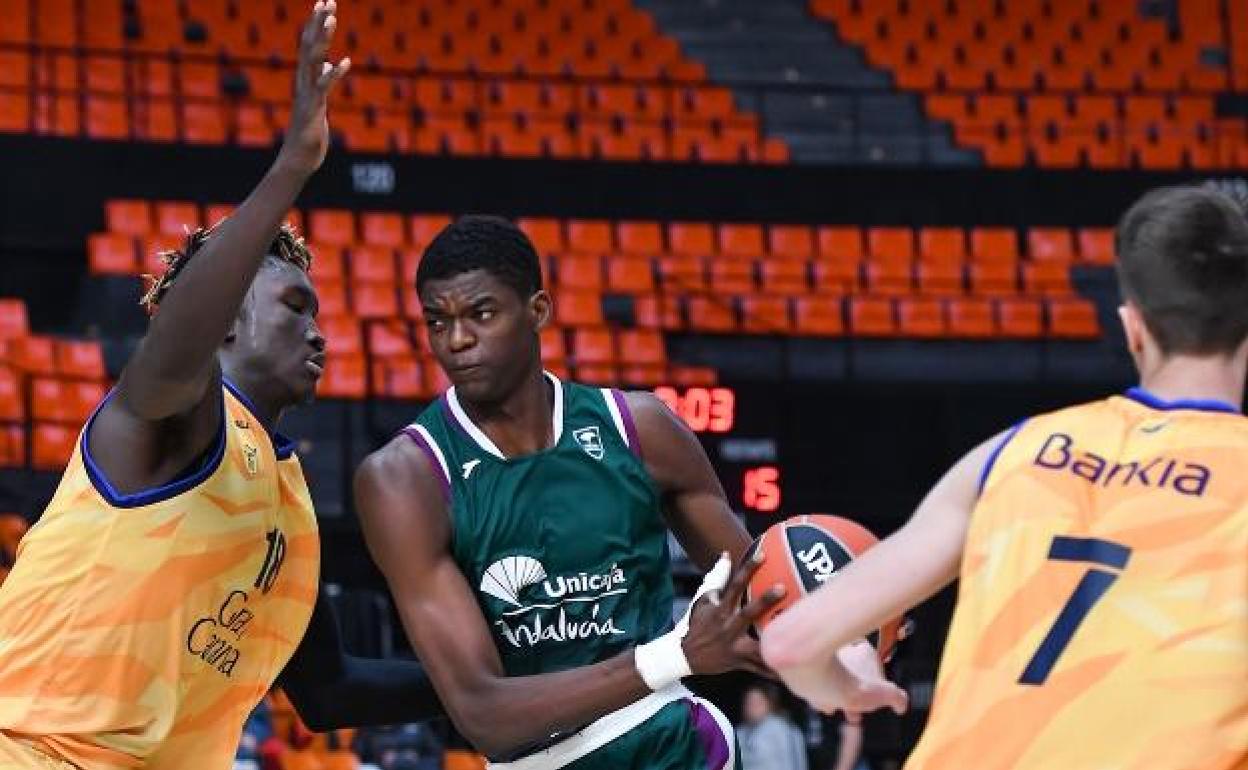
[(565, 548)]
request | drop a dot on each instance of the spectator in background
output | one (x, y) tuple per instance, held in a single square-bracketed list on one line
[(415, 746), (768, 740), (849, 747)]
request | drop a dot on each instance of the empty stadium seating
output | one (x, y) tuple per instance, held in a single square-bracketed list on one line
[(1061, 84), (579, 78), (704, 277)]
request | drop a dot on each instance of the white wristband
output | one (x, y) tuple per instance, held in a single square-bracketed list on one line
[(662, 662)]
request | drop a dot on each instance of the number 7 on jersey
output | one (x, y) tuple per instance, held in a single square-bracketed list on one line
[(1091, 588)]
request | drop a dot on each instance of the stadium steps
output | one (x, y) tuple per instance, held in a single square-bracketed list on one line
[(745, 42)]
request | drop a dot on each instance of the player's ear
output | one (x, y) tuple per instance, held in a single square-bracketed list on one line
[(541, 307), (1134, 328)]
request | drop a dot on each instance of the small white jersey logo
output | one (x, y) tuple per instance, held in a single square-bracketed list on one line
[(590, 439), (469, 467)]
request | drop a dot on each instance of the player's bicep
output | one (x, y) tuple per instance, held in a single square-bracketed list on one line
[(402, 513), (694, 502)]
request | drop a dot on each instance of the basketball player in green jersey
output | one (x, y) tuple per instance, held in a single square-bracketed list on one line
[(521, 523)]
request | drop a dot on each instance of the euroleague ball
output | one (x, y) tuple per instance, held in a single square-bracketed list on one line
[(804, 552)]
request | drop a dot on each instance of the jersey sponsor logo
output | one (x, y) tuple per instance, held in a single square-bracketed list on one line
[(469, 467), (214, 638), (547, 608), (1059, 453), (590, 439)]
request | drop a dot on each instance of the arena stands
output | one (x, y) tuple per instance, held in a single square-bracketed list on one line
[(592, 79), (1062, 84)]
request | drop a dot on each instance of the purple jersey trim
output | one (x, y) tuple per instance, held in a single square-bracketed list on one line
[(415, 436), (714, 742), (630, 427)]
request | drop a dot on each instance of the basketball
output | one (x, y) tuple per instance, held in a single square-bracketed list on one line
[(802, 553)]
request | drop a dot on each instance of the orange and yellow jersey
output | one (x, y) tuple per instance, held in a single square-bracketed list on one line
[(139, 630), (1102, 616)]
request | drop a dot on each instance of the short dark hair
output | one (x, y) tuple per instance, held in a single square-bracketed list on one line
[(286, 246), (480, 242), (1183, 260)]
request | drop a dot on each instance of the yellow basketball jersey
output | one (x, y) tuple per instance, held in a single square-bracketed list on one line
[(140, 630), (1102, 617)]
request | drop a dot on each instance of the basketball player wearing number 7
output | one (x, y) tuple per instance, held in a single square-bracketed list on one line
[(1102, 617)]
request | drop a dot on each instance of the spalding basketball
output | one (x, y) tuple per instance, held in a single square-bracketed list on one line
[(804, 552)]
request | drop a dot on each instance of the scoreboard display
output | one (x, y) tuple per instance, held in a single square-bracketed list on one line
[(739, 432)]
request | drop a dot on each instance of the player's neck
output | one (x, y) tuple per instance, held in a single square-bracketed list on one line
[(1197, 378), (267, 409), (523, 422)]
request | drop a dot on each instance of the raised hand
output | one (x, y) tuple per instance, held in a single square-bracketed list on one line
[(719, 638), (307, 136)]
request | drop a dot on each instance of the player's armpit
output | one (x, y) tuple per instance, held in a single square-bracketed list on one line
[(694, 502), (403, 512), (903, 570)]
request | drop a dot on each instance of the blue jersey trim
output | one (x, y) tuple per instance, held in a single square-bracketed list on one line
[(1198, 404), (156, 494), (996, 452), (283, 446)]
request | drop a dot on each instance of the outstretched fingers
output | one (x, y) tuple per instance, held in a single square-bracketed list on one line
[(314, 43)]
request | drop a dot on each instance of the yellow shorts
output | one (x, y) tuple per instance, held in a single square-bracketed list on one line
[(16, 754)]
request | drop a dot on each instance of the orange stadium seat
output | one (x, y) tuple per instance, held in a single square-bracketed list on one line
[(644, 238), (971, 318), (890, 243), (51, 445), (942, 243), (1072, 318), (1047, 278), (399, 377), (818, 315), (333, 226), (732, 275), (580, 271), (764, 314), (939, 277), (389, 339), (375, 299), (920, 317), (841, 242), (578, 308), (783, 275), (711, 314), (995, 244), (554, 344), (791, 241), (691, 238), (654, 311), (1050, 244), (176, 217), (111, 254), (589, 235), (128, 217), (641, 347), (632, 275), (14, 323), (872, 317), (81, 359), (383, 228), (346, 376), (545, 233), (1020, 318), (682, 274), (12, 399), (425, 227), (891, 276), (372, 263), (741, 240), (1096, 245), (593, 346)]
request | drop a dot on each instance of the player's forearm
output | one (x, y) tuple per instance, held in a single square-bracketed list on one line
[(505, 715), (173, 363)]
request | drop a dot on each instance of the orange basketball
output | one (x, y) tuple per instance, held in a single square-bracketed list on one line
[(802, 553)]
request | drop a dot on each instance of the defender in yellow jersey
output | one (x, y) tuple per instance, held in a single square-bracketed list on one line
[(174, 575), (1102, 616)]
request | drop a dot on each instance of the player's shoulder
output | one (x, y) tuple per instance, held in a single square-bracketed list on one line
[(401, 460)]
